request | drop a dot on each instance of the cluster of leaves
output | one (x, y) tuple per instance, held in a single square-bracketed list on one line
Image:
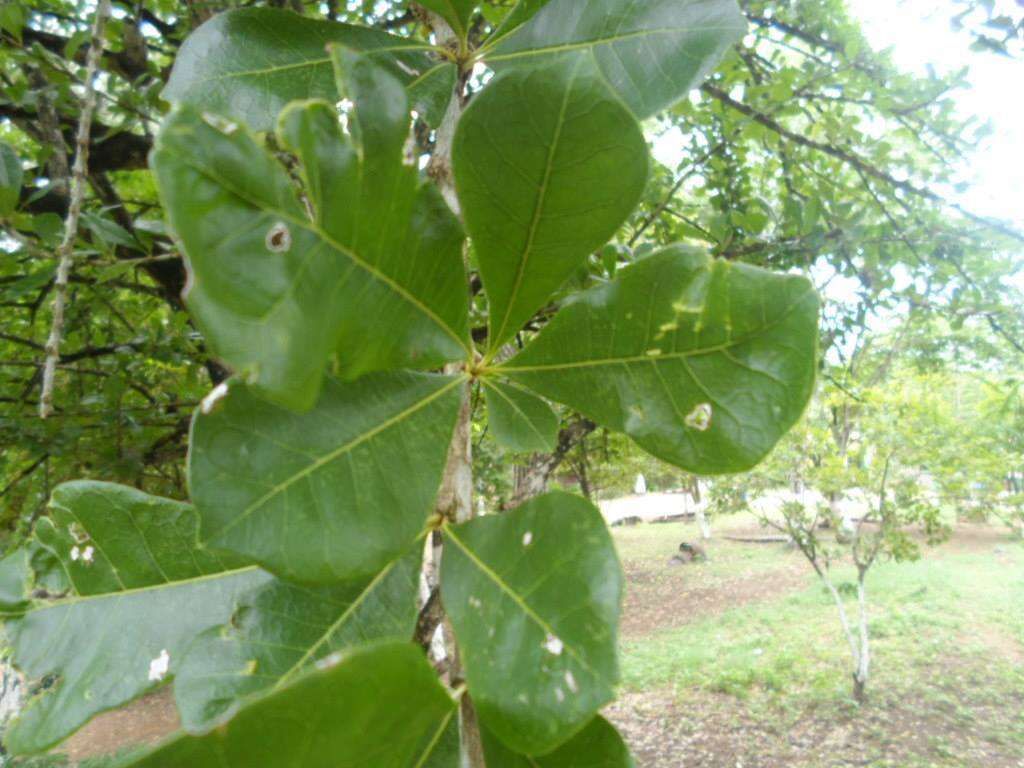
[(795, 154), (328, 274)]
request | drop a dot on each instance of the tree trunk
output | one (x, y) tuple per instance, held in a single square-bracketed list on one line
[(698, 508), (532, 479), (455, 497), (860, 679)]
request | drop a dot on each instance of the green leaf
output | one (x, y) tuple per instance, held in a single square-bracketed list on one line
[(536, 207), (652, 53), (534, 598), (378, 706), (248, 63), (522, 13), (596, 746), (280, 630), (375, 277), (329, 495), (704, 363), (519, 420), (12, 19), (442, 749), (15, 574), (139, 591), (455, 12), (10, 179)]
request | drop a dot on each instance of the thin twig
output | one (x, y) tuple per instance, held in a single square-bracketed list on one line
[(77, 193)]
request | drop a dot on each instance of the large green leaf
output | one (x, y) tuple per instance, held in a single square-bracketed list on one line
[(380, 706), (332, 494), (15, 581), (523, 11), (534, 598), (705, 363), (443, 749), (652, 53), (373, 279), (596, 746), (248, 63), (281, 629), (455, 12), (140, 593), (548, 164), (10, 179), (518, 419)]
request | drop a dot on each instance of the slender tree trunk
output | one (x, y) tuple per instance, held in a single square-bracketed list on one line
[(859, 682), (860, 678), (532, 480), (698, 508), (455, 497)]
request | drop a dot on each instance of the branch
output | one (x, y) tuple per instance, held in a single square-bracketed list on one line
[(78, 179), (109, 150), (122, 62), (855, 161)]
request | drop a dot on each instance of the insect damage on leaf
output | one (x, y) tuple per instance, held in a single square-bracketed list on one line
[(700, 417), (279, 238)]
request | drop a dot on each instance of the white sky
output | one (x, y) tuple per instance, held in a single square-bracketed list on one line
[(920, 33)]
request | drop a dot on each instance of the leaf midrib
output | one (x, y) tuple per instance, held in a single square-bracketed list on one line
[(592, 43), (69, 601), (538, 208), (520, 602), (316, 62), (529, 422), (783, 316), (338, 623), (331, 456)]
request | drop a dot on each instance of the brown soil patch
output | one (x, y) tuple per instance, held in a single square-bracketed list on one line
[(143, 722), (674, 602), (660, 595), (709, 730)]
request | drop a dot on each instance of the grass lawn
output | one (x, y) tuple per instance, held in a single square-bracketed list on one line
[(741, 661)]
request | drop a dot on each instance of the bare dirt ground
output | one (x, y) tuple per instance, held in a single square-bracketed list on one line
[(145, 721), (662, 596), (710, 730), (702, 729)]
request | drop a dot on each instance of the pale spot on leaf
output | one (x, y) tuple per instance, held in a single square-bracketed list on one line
[(700, 417), (78, 533), (527, 538), (279, 238), (158, 667), (570, 681), (553, 645), (329, 661)]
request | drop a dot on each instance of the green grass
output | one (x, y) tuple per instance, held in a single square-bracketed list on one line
[(796, 641), (947, 638)]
